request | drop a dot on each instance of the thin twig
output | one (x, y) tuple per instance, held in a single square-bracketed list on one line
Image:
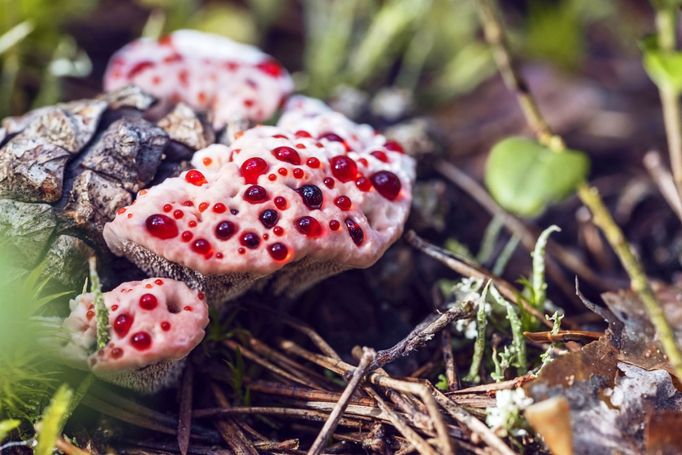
[(422, 334), (229, 430), (267, 364), (304, 414), (581, 336), (330, 425), (185, 411), (417, 441), (520, 230), (469, 270), (663, 180), (471, 422), (341, 367), (666, 30), (449, 361), (588, 195)]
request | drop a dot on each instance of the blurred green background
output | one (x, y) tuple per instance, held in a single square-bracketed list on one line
[(57, 49)]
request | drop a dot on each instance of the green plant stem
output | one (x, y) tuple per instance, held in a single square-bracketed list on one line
[(639, 283), (666, 21)]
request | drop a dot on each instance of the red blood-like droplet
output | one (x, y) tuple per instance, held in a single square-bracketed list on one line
[(387, 184), (363, 183), (394, 146), (270, 67), (167, 208), (122, 324), (333, 137), (148, 302), (116, 353), (278, 231), (89, 315), (255, 194), (252, 168), (186, 236), (301, 133), (313, 162), (343, 168), (288, 155), (162, 227), (195, 177), (165, 326), (141, 341), (343, 202), (268, 218), (298, 173), (203, 206), (329, 182), (355, 231), (219, 207), (158, 282), (225, 230), (178, 214), (308, 226), (201, 246), (282, 171), (250, 240), (280, 203), (334, 225), (278, 251), (381, 156), (311, 195)]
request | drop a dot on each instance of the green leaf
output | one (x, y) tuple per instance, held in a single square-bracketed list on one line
[(6, 426), (54, 418), (525, 177), (663, 67)]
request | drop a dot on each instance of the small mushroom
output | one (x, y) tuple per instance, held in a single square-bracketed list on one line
[(313, 196), (231, 81), (154, 324)]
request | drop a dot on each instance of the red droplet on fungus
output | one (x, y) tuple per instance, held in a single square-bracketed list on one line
[(387, 184), (201, 246), (255, 194), (250, 240), (122, 324), (312, 196), (288, 155), (252, 168), (141, 341), (343, 168), (394, 146), (343, 202), (195, 177), (278, 251), (363, 183), (148, 302), (308, 226), (355, 231), (162, 227), (270, 67), (225, 230), (280, 203)]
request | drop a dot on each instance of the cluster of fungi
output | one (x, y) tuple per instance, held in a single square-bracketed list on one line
[(314, 194)]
